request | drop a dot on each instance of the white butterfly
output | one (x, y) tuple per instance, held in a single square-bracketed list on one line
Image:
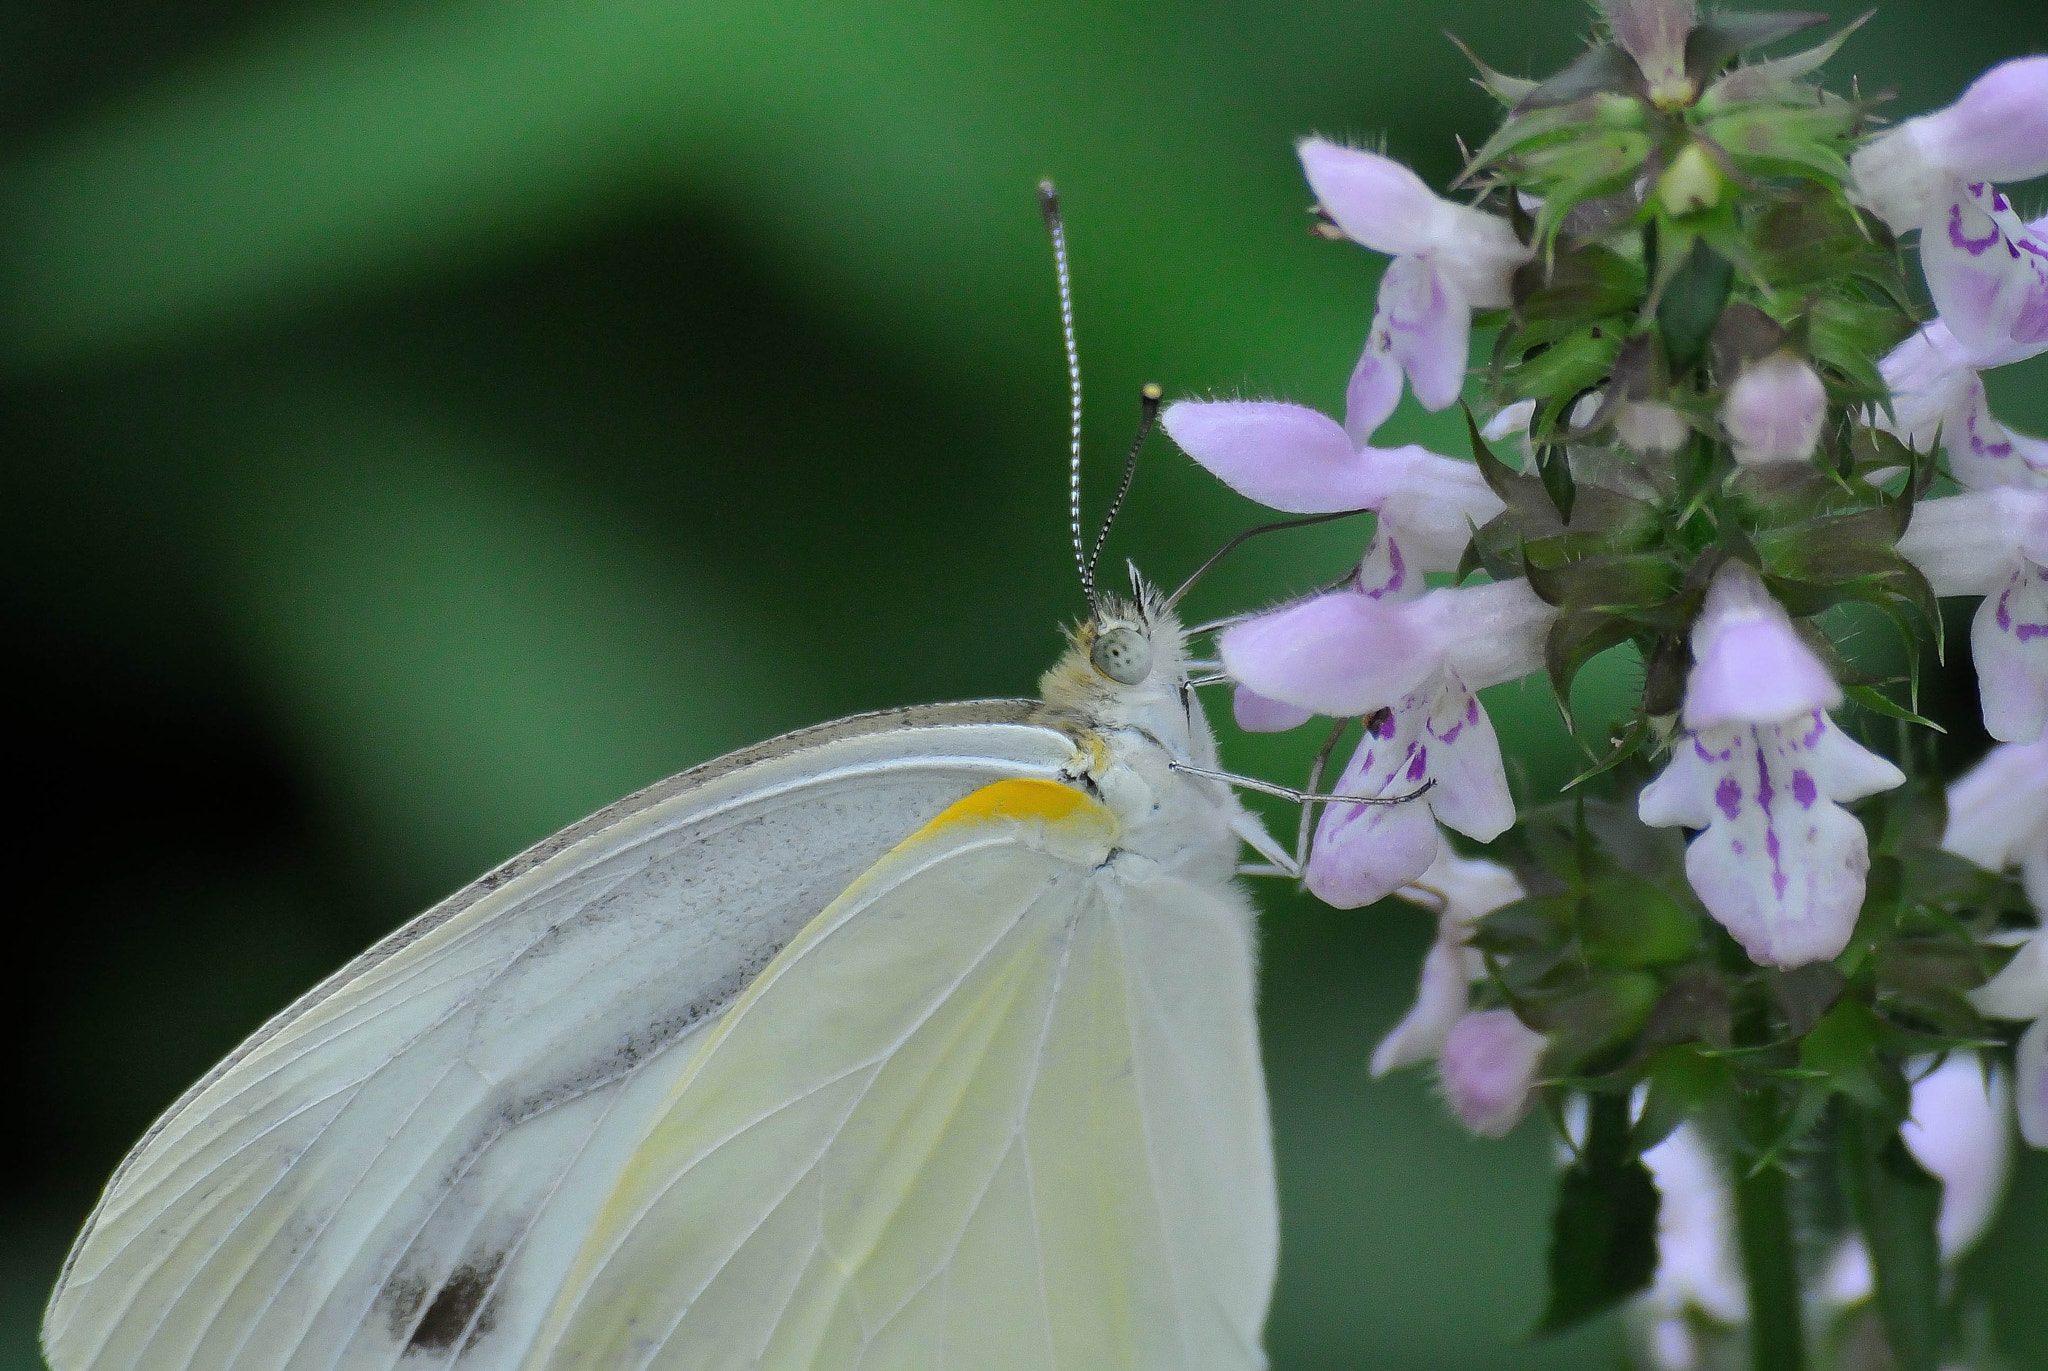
[(924, 1038)]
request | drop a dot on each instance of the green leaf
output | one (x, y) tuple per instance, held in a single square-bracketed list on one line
[(1574, 640), (1691, 304), (1896, 1204), (1627, 923), (1877, 702), (1586, 284), (1553, 466), (1507, 89), (1565, 367), (1775, 79), (1590, 166), (1603, 1235)]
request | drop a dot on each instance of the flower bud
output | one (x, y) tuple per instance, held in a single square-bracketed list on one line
[(1692, 183), (1489, 1071), (1648, 426), (1774, 411), (1654, 33)]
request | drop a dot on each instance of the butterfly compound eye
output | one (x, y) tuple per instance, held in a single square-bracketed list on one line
[(1122, 654)]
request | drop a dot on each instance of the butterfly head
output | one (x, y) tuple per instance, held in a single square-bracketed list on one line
[(1126, 665)]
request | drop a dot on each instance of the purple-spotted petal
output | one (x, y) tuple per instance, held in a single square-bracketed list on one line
[(1779, 862), (1988, 275), (1287, 457), (1489, 1071), (1337, 654), (1429, 325), (1375, 387), (2009, 641), (2030, 1070), (1471, 791), (1257, 714), (1364, 853)]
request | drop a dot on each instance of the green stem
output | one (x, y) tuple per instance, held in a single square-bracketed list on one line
[(1770, 1264)]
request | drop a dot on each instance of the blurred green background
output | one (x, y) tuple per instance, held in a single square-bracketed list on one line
[(428, 421)]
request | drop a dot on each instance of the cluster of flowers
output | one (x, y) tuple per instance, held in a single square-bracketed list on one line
[(1743, 684)]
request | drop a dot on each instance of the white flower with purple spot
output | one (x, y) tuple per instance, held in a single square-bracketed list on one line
[(1412, 666), (1937, 392), (1763, 772), (1448, 261), (1988, 274), (1994, 543)]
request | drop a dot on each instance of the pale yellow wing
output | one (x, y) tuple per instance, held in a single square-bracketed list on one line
[(999, 1106), (397, 1170)]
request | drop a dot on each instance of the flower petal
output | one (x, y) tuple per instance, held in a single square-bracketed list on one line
[(1364, 853), (1257, 714), (1489, 1070), (1780, 864), (1287, 457), (1441, 998), (1432, 504), (2020, 990), (1697, 1265), (1998, 128), (1378, 203), (1958, 1132), (1463, 758), (1430, 329), (1988, 275), (1998, 812), (1750, 666), (2009, 641), (1774, 411), (1337, 654), (1374, 391), (2030, 1068)]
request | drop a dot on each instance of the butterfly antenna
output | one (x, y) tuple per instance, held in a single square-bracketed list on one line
[(1241, 539), (1148, 414), (1049, 206)]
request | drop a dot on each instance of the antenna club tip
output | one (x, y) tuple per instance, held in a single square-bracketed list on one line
[(1049, 201), (1151, 393)]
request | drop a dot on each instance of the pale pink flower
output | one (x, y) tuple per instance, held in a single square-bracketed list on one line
[(1448, 261), (1489, 1068), (1959, 1132), (1462, 891), (1763, 772), (1291, 458), (1994, 543)]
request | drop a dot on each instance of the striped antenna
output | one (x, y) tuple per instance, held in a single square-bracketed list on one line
[(1049, 206)]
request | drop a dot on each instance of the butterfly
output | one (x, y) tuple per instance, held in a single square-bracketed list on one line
[(924, 1038)]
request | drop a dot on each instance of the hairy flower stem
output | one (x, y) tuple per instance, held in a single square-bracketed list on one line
[(1770, 1266)]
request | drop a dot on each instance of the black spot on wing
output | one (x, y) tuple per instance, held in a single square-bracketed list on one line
[(456, 1305)]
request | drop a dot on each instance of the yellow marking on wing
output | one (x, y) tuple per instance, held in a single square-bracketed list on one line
[(1022, 800)]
